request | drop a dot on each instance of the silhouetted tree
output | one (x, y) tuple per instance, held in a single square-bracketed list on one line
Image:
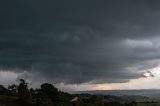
[(23, 92), (3, 90), (50, 91), (12, 90), (42, 99)]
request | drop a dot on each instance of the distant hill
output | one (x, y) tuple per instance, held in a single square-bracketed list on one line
[(142, 92)]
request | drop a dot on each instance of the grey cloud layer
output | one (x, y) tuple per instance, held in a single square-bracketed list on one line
[(80, 41)]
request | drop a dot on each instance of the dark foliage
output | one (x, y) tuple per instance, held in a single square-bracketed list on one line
[(48, 95)]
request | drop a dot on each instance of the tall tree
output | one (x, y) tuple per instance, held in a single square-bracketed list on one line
[(23, 92)]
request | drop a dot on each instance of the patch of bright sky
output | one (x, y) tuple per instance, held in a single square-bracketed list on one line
[(151, 80)]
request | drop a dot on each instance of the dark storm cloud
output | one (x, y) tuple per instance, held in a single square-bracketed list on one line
[(73, 41)]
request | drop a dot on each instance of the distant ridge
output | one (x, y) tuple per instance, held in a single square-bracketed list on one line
[(135, 92)]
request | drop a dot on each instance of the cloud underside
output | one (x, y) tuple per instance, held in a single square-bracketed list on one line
[(79, 41)]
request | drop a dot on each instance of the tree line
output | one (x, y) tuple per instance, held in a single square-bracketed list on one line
[(48, 95)]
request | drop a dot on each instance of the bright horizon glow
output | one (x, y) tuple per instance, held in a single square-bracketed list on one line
[(147, 82)]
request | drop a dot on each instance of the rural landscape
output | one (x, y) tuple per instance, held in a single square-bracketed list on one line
[(48, 95), (79, 52)]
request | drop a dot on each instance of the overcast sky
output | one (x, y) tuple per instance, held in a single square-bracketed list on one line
[(76, 44)]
